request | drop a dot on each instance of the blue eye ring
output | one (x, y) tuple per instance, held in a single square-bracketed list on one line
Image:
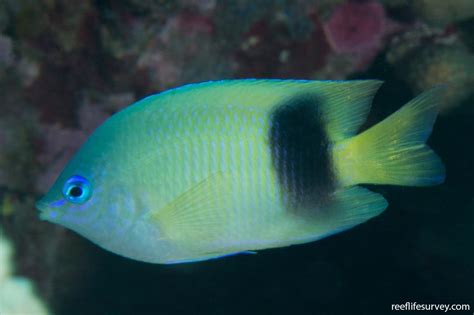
[(77, 189)]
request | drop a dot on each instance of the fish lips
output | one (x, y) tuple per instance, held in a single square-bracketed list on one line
[(47, 209)]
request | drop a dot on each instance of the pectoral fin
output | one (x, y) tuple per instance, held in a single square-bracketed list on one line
[(198, 214)]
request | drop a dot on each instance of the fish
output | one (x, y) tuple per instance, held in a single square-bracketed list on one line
[(218, 168)]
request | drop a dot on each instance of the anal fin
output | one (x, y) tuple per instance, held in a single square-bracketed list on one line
[(354, 205)]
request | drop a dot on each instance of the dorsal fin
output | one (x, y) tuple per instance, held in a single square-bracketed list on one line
[(346, 105)]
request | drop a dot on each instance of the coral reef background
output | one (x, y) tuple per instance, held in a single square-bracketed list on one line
[(65, 66), (17, 295)]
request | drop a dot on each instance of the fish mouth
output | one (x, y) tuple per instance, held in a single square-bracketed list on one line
[(49, 210), (42, 205)]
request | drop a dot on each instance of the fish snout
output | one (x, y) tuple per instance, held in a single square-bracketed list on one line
[(46, 208), (41, 205)]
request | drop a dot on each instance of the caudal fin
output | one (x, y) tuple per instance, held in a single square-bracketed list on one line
[(394, 151)]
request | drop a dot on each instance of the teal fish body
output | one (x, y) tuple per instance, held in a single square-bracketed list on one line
[(217, 168)]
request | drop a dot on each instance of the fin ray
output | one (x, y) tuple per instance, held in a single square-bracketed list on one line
[(394, 151), (346, 106), (354, 205), (196, 213)]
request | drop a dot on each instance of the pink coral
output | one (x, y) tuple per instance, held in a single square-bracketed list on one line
[(359, 29), (356, 27)]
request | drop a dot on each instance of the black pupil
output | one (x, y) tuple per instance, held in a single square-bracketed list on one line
[(75, 191)]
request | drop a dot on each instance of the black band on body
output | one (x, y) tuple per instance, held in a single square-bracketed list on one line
[(300, 152)]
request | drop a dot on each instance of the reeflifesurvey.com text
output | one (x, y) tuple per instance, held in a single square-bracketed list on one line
[(415, 306)]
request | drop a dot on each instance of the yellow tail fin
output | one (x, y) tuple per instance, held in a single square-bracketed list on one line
[(394, 151)]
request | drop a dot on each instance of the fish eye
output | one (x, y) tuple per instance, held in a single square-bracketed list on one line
[(77, 189)]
